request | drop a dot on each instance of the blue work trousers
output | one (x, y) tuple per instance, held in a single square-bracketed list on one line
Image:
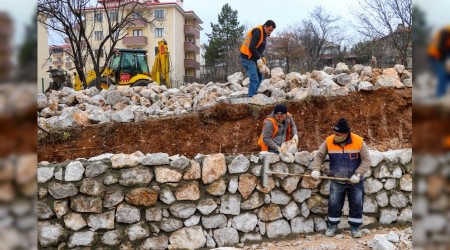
[(355, 195), (442, 75), (254, 75)]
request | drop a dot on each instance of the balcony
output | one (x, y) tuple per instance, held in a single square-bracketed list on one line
[(58, 63), (191, 47), (57, 54), (191, 30), (191, 79), (68, 65), (191, 64), (134, 40), (137, 23)]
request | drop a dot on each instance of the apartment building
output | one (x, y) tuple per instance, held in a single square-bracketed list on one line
[(56, 57), (59, 58), (180, 29), (6, 50), (42, 56)]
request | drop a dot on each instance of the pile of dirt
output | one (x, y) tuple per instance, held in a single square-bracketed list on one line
[(382, 117)]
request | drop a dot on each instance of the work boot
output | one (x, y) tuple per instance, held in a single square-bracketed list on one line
[(356, 233), (331, 231)]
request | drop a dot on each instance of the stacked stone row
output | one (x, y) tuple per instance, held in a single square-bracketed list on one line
[(157, 201), (17, 202), (431, 195)]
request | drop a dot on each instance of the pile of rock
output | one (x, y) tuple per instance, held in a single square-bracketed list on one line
[(392, 240), (69, 108)]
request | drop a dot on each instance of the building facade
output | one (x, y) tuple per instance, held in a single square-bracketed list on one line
[(169, 21), (42, 57)]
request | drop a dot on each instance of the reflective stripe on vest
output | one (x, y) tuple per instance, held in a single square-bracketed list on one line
[(344, 160), (245, 47), (261, 143)]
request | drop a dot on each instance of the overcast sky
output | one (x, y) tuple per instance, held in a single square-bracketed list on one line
[(252, 13), (21, 11), (436, 12)]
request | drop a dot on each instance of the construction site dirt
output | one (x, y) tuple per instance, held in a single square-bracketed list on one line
[(382, 117)]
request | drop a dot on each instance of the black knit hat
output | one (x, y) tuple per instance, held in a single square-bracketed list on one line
[(280, 108), (341, 126)]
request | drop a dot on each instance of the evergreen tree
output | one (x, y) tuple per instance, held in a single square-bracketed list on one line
[(419, 26), (27, 56), (224, 41)]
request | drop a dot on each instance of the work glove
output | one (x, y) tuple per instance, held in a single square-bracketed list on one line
[(260, 63), (262, 67), (281, 149), (264, 60), (355, 179), (295, 138), (315, 174)]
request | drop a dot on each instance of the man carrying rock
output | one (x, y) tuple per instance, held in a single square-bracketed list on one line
[(278, 127), (252, 58), (349, 158)]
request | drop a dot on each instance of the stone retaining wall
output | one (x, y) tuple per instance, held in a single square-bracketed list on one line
[(157, 201)]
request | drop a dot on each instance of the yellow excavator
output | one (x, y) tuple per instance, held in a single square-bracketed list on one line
[(130, 67)]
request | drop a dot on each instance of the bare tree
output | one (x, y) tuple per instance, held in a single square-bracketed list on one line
[(316, 34), (74, 21), (285, 51), (389, 22)]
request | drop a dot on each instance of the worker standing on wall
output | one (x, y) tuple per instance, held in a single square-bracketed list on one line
[(349, 158), (252, 58), (278, 127), (439, 56)]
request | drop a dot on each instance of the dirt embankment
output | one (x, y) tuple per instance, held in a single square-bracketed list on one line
[(382, 117)]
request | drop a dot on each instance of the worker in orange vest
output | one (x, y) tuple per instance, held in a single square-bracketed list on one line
[(252, 58), (279, 127), (439, 54), (349, 158)]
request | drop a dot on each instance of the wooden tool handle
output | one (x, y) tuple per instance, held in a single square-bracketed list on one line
[(305, 175)]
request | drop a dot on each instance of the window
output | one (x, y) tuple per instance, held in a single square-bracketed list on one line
[(50, 60), (116, 34), (98, 17), (96, 51), (159, 32), (98, 35), (159, 14), (113, 16), (136, 15), (137, 32), (50, 67), (67, 59)]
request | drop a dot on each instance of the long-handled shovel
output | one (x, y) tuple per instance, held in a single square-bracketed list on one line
[(265, 173)]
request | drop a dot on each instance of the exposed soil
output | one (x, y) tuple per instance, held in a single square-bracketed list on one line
[(431, 129), (382, 117), (18, 132)]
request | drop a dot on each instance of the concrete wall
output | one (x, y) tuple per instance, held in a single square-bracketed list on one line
[(157, 201)]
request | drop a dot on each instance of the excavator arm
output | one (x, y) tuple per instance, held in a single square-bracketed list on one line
[(161, 67)]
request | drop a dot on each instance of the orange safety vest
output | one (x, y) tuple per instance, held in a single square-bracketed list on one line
[(433, 48), (261, 143), (344, 160), (245, 47)]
